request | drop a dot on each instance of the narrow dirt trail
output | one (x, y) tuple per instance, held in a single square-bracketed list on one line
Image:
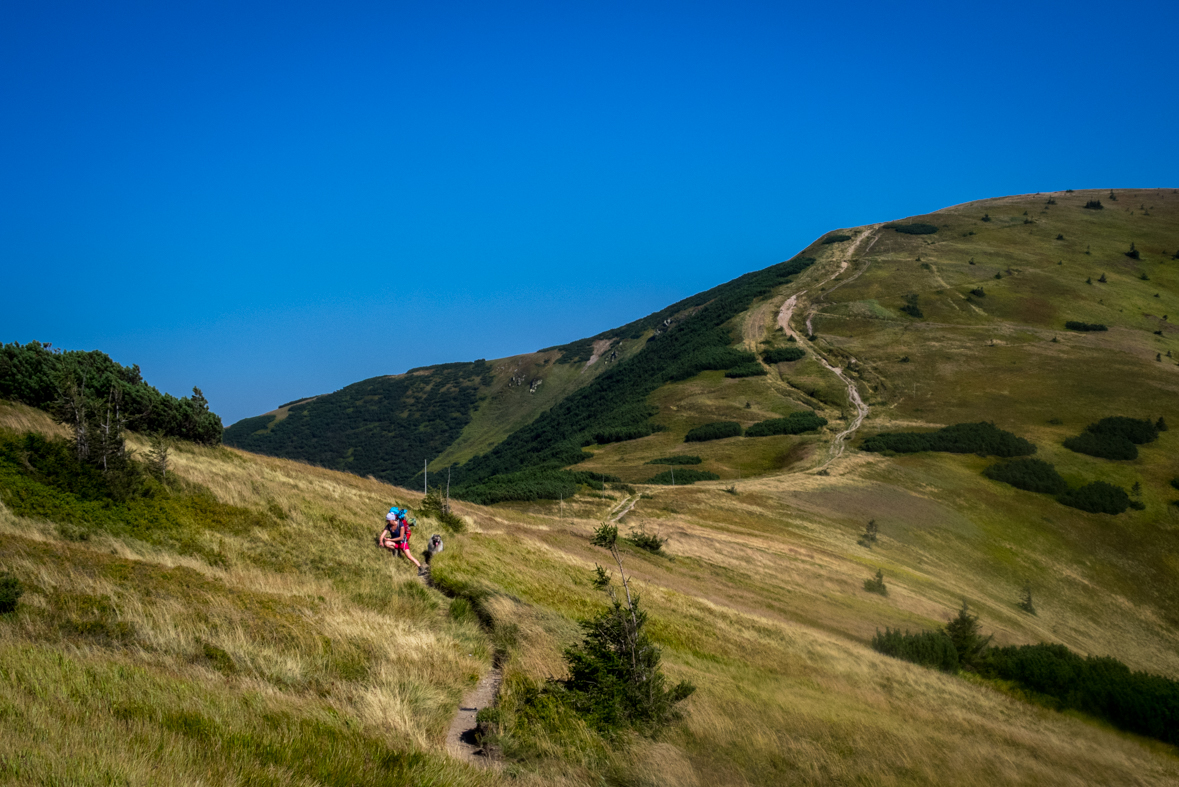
[(460, 738), (623, 508), (853, 393)]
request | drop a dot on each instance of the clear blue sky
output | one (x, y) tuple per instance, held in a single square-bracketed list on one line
[(276, 200)]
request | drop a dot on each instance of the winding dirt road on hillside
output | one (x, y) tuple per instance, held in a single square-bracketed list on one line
[(787, 313)]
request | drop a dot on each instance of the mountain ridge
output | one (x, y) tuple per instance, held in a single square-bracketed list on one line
[(870, 292)]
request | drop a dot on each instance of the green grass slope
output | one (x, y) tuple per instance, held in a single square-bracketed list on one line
[(292, 652)]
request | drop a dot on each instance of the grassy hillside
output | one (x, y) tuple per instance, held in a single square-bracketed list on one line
[(299, 639), (242, 645)]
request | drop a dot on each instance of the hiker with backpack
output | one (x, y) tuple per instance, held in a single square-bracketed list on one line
[(396, 533)]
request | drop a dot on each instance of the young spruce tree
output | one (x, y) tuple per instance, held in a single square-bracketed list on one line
[(963, 631), (615, 680)]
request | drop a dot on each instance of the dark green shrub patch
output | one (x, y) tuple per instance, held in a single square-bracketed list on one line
[(10, 593), (783, 354), (795, 423), (1103, 446), (836, 238), (1076, 325), (927, 648), (1137, 430), (1094, 204), (915, 228), (709, 359), (622, 433), (678, 459), (751, 369), (911, 308), (981, 438), (1034, 475), (718, 430), (1114, 437), (682, 477), (1098, 497), (1104, 687), (1175, 482), (650, 542), (541, 483)]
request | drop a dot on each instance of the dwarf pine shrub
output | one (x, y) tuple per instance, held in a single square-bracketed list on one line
[(1098, 685), (927, 648), (795, 423), (717, 430), (10, 593), (915, 228), (751, 369), (1098, 497), (678, 459), (1033, 475), (1103, 446), (682, 477), (616, 682), (983, 438), (650, 542), (783, 354)]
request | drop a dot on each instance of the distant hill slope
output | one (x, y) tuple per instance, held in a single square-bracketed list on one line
[(387, 426), (957, 316), (384, 427)]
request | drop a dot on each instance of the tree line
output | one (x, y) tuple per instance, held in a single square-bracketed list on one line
[(98, 398)]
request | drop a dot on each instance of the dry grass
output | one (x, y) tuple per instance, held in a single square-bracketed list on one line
[(302, 631), (759, 605), (780, 702)]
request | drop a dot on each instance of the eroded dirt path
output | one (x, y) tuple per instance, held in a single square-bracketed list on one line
[(460, 738), (623, 508), (786, 313)]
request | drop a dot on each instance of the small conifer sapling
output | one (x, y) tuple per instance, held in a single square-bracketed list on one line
[(1025, 600), (876, 584)]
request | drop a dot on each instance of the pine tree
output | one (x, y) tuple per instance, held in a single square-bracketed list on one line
[(615, 679), (73, 406), (868, 539), (157, 457), (963, 631)]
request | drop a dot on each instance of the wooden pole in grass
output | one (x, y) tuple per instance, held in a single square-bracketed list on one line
[(425, 477)]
